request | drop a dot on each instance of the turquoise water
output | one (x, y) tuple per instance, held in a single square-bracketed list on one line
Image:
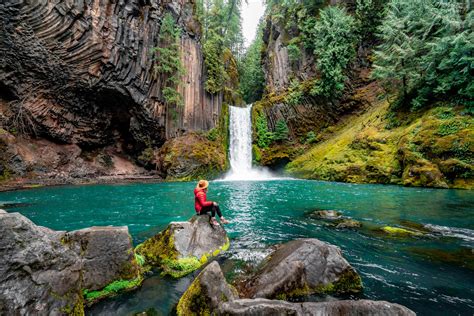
[(432, 275)]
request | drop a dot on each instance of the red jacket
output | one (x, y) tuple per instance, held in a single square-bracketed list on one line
[(200, 200)]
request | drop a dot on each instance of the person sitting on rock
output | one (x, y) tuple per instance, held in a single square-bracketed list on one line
[(202, 206)]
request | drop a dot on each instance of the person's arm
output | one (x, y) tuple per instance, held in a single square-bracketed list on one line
[(202, 200)]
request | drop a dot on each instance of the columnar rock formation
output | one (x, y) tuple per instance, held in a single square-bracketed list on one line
[(82, 71)]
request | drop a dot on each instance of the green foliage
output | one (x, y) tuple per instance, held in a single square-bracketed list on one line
[(180, 267), (264, 137), (221, 24), (333, 38), (450, 127), (294, 52), (295, 93), (168, 61), (368, 14), (213, 134), (139, 259), (310, 137), (281, 131), (427, 47), (252, 80)]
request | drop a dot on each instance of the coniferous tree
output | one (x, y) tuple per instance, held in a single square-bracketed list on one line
[(168, 61), (427, 46), (281, 131), (334, 41)]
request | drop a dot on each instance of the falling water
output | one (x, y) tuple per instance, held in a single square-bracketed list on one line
[(240, 147)]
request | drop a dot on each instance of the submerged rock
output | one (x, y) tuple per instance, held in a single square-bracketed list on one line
[(398, 231), (184, 247), (302, 267), (206, 293), (49, 272), (260, 306), (329, 214), (348, 223)]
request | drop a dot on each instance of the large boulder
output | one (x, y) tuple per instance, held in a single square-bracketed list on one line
[(206, 293), (184, 247), (260, 306), (38, 275), (302, 267), (47, 272), (109, 262)]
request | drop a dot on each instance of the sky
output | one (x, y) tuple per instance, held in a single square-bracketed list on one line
[(252, 10)]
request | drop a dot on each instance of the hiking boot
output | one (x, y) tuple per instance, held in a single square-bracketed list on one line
[(213, 222)]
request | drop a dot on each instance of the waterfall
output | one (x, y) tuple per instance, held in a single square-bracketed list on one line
[(240, 146)]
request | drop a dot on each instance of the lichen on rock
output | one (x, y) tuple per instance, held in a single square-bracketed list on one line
[(184, 247)]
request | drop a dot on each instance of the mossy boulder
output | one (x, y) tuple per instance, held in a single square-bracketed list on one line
[(109, 262), (206, 293), (190, 157), (184, 247), (47, 272), (301, 267)]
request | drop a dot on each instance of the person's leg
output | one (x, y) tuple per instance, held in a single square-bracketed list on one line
[(208, 209), (218, 211)]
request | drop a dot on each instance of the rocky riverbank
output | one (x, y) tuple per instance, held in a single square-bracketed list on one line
[(57, 272)]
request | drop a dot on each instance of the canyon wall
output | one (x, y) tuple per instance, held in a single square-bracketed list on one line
[(82, 73), (83, 70)]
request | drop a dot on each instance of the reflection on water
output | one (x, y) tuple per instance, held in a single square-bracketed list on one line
[(431, 274)]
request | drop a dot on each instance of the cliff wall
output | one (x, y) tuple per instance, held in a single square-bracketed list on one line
[(82, 73)]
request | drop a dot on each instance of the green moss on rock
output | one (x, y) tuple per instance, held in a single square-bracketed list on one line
[(397, 231), (193, 302), (112, 289)]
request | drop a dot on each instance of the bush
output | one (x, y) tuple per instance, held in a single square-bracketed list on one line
[(281, 131)]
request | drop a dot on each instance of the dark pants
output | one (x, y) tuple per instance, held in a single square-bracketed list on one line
[(213, 209)]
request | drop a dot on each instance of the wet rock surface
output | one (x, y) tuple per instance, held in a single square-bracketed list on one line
[(38, 274), (107, 255), (302, 267), (274, 307), (184, 246), (326, 214), (206, 293), (46, 271)]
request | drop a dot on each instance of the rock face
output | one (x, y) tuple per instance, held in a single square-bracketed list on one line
[(302, 267), (206, 293), (250, 307), (45, 272), (84, 70), (184, 246), (80, 76)]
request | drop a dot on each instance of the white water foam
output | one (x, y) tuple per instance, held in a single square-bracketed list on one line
[(240, 148)]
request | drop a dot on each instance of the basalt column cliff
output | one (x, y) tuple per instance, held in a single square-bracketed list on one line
[(80, 76)]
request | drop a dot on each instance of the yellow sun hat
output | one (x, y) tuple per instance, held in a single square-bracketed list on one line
[(202, 184)]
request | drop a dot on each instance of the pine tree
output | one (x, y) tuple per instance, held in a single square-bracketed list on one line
[(334, 43), (281, 131), (428, 48), (168, 61)]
